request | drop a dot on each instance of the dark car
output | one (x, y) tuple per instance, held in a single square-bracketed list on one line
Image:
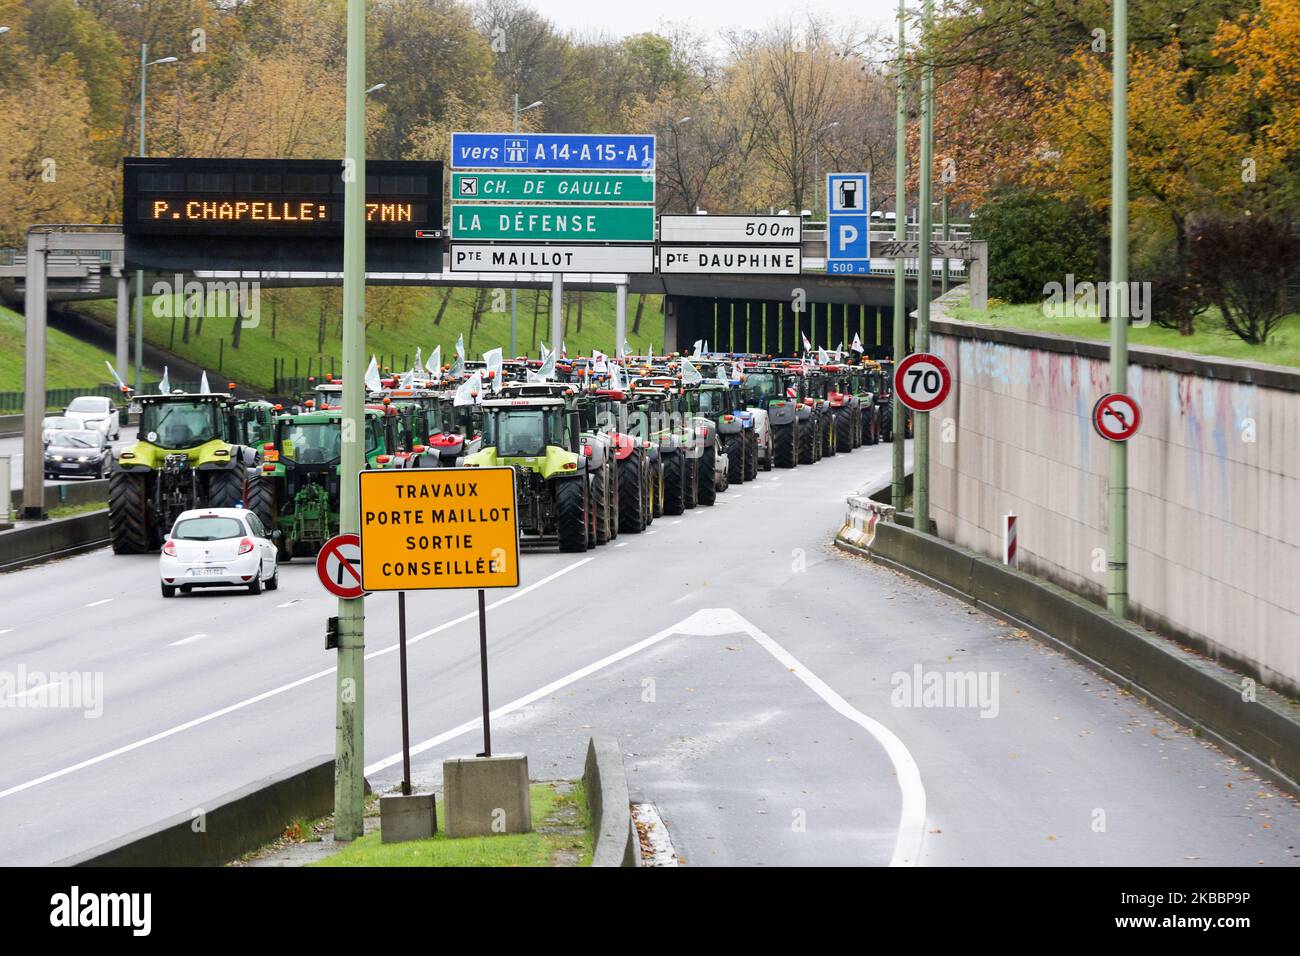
[(78, 454)]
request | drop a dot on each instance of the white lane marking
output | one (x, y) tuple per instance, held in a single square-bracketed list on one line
[(653, 531), (187, 640), (290, 603), (98, 603), (5, 630), (718, 621), (33, 690), (678, 521), (621, 544), (273, 692)]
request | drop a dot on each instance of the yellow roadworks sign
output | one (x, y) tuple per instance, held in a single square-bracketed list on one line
[(438, 528)]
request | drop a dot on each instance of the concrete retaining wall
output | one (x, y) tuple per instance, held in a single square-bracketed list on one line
[(1254, 722), (605, 781), (1214, 474), (230, 826), (57, 538), (69, 493)]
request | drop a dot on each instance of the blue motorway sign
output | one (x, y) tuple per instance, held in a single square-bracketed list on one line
[(612, 152), (848, 220)]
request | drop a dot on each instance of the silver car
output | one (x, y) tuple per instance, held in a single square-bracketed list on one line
[(97, 413)]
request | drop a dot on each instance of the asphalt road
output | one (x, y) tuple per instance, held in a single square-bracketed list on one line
[(750, 671), (13, 447)]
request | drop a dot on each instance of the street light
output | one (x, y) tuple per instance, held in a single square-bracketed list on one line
[(514, 292), (817, 164), (145, 63), (376, 88)]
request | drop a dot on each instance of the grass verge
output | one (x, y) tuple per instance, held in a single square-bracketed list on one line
[(1210, 338), (561, 836)]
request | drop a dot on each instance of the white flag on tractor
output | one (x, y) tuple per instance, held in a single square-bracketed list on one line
[(419, 361), (627, 348), (434, 365), (117, 378), (492, 358), (469, 391), (599, 363), (203, 384), (823, 358), (545, 351), (857, 343), (165, 385), (698, 348), (372, 380), (545, 372), (807, 346), (690, 374)]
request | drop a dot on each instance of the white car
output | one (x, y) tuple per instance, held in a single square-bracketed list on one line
[(218, 548), (96, 413)]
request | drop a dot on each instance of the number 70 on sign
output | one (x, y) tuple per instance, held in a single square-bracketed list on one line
[(922, 381)]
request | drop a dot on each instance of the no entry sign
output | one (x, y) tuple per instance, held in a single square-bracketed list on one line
[(339, 566), (1116, 416), (922, 381)]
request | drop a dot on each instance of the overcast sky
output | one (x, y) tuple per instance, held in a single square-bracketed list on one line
[(708, 17)]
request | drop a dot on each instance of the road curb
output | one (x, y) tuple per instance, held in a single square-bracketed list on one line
[(1203, 694), (56, 538), (605, 781), (230, 826)]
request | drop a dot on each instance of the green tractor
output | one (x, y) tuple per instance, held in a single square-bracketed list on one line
[(182, 460), (539, 436), (298, 488)]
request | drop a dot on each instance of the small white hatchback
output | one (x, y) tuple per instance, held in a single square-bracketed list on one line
[(218, 548)]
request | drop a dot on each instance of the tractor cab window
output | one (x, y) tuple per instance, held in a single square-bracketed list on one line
[(311, 443), (180, 424), (710, 402), (764, 385), (525, 432)]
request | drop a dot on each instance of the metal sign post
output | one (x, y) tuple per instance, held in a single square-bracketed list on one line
[(483, 671), (406, 720)]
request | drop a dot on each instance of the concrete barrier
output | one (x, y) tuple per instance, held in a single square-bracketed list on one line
[(228, 827), (610, 805), (57, 538), (1247, 719), (69, 493)]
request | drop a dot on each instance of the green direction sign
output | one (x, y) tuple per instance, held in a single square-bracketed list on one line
[(553, 223), (553, 187)]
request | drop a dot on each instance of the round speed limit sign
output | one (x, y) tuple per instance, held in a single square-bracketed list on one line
[(922, 381)]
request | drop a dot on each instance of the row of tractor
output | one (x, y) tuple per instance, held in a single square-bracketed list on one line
[(600, 447)]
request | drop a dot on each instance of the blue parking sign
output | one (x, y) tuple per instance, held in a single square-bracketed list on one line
[(848, 223)]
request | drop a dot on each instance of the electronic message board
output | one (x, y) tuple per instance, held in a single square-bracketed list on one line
[(277, 214)]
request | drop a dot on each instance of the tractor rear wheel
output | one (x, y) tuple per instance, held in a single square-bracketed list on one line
[(128, 513), (261, 500), (600, 495), (675, 484), (631, 496), (736, 458), (784, 439), (708, 483), (691, 493), (844, 429), (657, 484), (225, 488), (751, 455), (571, 513), (808, 443)]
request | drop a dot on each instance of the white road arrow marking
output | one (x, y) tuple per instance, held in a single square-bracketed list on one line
[(713, 622)]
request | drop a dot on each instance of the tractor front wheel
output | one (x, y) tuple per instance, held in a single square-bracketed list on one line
[(631, 496), (571, 513), (708, 479), (128, 513), (784, 441), (735, 458), (675, 484), (225, 488)]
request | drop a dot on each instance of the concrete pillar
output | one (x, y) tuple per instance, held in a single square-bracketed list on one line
[(123, 363), (34, 305), (977, 272), (620, 317), (670, 325), (557, 313)]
